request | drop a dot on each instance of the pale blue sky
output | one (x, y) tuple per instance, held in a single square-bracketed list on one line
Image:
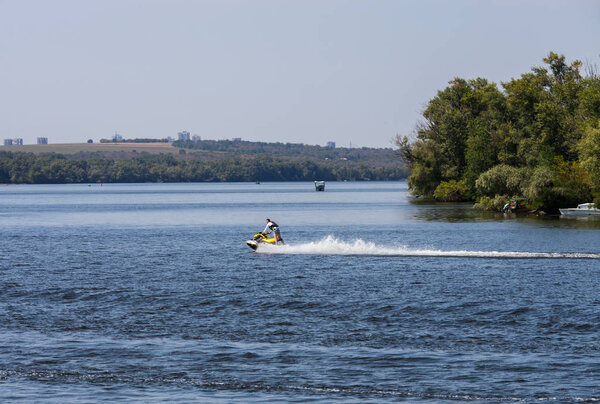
[(289, 71)]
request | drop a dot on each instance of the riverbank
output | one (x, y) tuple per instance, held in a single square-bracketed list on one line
[(134, 167)]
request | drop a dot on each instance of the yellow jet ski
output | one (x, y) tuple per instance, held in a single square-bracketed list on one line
[(258, 239)]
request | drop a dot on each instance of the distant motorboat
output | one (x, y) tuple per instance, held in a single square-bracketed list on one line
[(319, 185), (583, 209)]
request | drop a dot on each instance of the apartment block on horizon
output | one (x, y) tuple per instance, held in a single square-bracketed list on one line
[(183, 135), (42, 140), (8, 142)]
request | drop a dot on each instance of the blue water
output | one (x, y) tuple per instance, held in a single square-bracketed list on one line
[(147, 293)]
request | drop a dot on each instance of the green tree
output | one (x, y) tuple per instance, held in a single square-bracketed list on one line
[(525, 140), (502, 180), (589, 155)]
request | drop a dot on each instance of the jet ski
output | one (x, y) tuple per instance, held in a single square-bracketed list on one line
[(259, 239)]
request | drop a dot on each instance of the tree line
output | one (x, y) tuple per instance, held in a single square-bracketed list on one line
[(376, 156), (136, 140), (28, 168), (537, 138)]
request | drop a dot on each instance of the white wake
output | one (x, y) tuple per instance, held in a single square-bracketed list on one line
[(333, 246)]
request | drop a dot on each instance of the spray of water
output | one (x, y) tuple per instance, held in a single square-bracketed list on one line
[(333, 246)]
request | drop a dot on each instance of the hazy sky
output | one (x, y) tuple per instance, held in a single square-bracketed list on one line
[(290, 71)]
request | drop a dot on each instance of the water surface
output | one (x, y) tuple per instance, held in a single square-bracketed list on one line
[(146, 292)]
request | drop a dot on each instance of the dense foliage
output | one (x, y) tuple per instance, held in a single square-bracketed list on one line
[(539, 138), (368, 155), (28, 168)]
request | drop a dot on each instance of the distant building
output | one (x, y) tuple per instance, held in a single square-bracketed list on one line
[(42, 140), (331, 145), (185, 136), (237, 139), (196, 138), (117, 138), (18, 141), (7, 142)]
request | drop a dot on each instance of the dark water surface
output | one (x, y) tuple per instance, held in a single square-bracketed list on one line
[(146, 292)]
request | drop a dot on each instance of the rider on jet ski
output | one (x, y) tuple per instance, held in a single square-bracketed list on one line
[(273, 227)]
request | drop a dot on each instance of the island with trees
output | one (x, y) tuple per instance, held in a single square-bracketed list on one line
[(538, 138)]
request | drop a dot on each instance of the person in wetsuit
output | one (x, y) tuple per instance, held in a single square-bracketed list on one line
[(273, 227)]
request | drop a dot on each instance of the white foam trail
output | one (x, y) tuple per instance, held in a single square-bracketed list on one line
[(333, 246)]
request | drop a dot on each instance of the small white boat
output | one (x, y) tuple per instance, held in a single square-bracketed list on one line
[(583, 209), (319, 185)]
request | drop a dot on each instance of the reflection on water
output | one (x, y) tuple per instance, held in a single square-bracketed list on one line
[(583, 222), (450, 213), (464, 212)]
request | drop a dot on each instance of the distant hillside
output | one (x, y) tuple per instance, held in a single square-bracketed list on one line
[(215, 150), (104, 149), (226, 161), (376, 157)]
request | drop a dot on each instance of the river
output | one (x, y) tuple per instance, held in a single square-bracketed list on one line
[(147, 293)]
